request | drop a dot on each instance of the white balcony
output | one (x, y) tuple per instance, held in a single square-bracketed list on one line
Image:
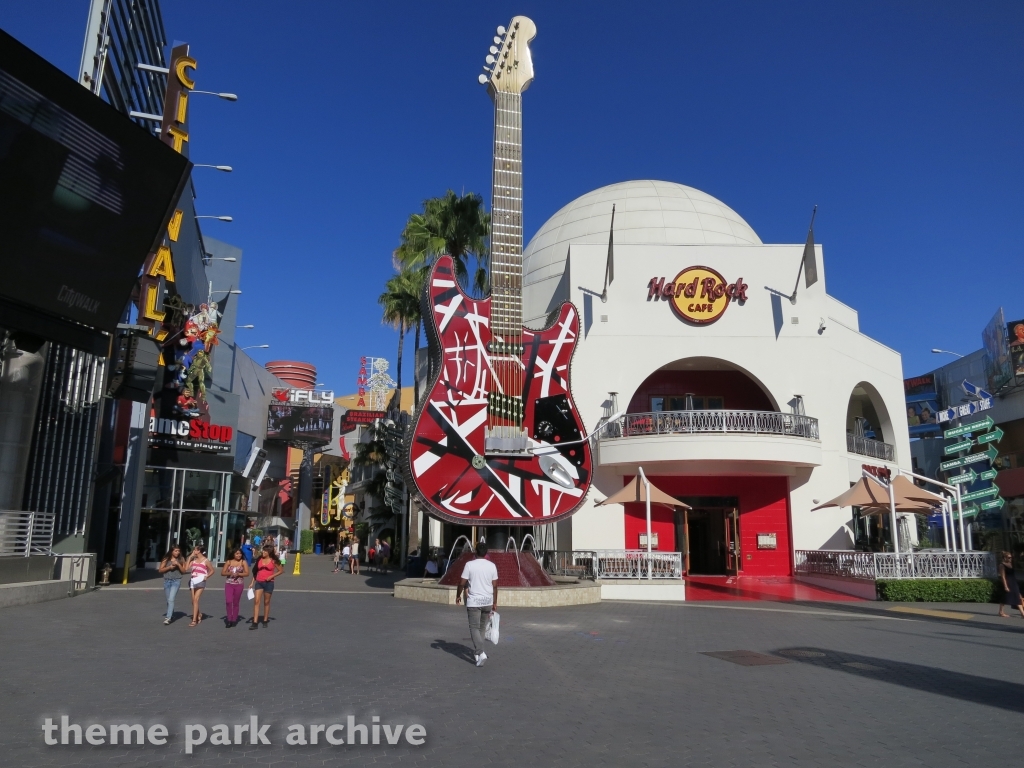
[(711, 442)]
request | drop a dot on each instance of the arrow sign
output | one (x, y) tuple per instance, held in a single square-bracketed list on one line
[(991, 452), (994, 504), (975, 391), (993, 491), (992, 437), (968, 512), (977, 426), (963, 410), (989, 474), (966, 478), (972, 459), (957, 447)]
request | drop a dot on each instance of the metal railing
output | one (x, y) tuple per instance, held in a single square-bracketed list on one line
[(865, 446), (25, 533), (637, 564), (889, 565), (713, 421), (579, 564)]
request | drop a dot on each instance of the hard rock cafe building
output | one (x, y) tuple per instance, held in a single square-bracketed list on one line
[(749, 407)]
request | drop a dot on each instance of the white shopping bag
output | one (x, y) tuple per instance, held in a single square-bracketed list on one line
[(491, 633), (251, 594)]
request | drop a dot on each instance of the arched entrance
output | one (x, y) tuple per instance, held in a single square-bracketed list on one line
[(701, 383), (869, 430)]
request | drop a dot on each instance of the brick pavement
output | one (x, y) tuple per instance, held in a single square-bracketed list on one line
[(608, 684)]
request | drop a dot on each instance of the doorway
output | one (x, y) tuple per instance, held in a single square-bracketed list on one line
[(709, 535)]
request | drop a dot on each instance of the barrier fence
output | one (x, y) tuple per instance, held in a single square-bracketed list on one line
[(890, 565)]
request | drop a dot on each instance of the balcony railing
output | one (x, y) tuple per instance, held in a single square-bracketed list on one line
[(865, 446), (25, 533), (713, 422), (888, 565)]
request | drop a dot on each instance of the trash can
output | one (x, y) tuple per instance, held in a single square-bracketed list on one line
[(317, 549)]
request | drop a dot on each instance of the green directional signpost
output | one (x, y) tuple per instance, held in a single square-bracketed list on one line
[(966, 478), (982, 433), (982, 494), (957, 447), (976, 426), (992, 437)]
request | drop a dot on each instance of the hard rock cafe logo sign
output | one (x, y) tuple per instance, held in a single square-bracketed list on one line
[(698, 295)]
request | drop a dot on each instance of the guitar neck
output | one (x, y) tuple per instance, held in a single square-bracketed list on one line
[(507, 218)]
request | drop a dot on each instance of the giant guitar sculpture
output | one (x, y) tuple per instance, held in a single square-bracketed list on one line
[(498, 440)]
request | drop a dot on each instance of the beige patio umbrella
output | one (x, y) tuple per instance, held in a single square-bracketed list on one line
[(909, 494), (635, 490), (642, 489), (863, 493)]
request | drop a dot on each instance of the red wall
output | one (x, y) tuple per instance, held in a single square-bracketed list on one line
[(740, 393), (764, 508)]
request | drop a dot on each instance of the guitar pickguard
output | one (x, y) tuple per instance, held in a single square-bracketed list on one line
[(449, 430)]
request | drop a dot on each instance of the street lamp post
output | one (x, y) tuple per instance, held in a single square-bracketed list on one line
[(218, 218), (256, 346), (224, 168), (945, 352)]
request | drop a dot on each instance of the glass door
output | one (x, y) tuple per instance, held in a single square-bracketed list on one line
[(733, 553)]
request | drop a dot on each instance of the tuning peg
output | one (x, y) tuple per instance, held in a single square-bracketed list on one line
[(497, 41), (493, 50), (489, 59), (501, 30), (482, 79)]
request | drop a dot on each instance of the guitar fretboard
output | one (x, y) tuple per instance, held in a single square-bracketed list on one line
[(507, 221)]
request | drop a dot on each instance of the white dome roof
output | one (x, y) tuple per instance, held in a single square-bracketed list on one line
[(645, 212)]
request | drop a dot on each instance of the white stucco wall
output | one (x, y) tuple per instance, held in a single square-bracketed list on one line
[(629, 337)]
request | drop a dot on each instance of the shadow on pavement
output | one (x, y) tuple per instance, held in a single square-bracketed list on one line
[(876, 609), (941, 682), (458, 650)]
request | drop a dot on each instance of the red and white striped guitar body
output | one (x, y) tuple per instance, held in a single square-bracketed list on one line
[(448, 464)]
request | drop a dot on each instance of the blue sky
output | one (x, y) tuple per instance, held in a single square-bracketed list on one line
[(902, 121)]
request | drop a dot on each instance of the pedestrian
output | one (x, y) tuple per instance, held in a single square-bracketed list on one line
[(346, 557), (371, 557), (385, 554), (480, 584), (200, 569), (337, 558), (172, 566), (236, 569), (247, 551), (266, 569), (353, 563), (1011, 590), (430, 569)]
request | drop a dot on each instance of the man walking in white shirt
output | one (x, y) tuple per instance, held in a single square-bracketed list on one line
[(480, 583)]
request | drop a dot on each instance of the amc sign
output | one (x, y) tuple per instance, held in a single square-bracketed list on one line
[(304, 396)]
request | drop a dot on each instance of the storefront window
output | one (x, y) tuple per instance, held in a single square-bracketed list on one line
[(202, 490), (157, 488), (154, 527), (234, 529), (239, 496)]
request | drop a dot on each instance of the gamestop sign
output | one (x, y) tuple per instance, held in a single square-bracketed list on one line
[(190, 434), (698, 295)]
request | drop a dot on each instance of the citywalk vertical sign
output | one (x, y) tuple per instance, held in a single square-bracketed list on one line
[(973, 445)]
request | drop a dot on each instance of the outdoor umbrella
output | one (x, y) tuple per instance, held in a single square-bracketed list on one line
[(634, 490)]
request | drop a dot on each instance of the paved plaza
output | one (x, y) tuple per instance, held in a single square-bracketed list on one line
[(824, 684)]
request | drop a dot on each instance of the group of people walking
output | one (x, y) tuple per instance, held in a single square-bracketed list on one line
[(199, 569), (346, 555)]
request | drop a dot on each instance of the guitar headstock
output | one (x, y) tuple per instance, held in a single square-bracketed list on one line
[(509, 67)]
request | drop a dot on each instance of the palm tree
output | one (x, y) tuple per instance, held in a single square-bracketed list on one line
[(401, 304), (454, 225)]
